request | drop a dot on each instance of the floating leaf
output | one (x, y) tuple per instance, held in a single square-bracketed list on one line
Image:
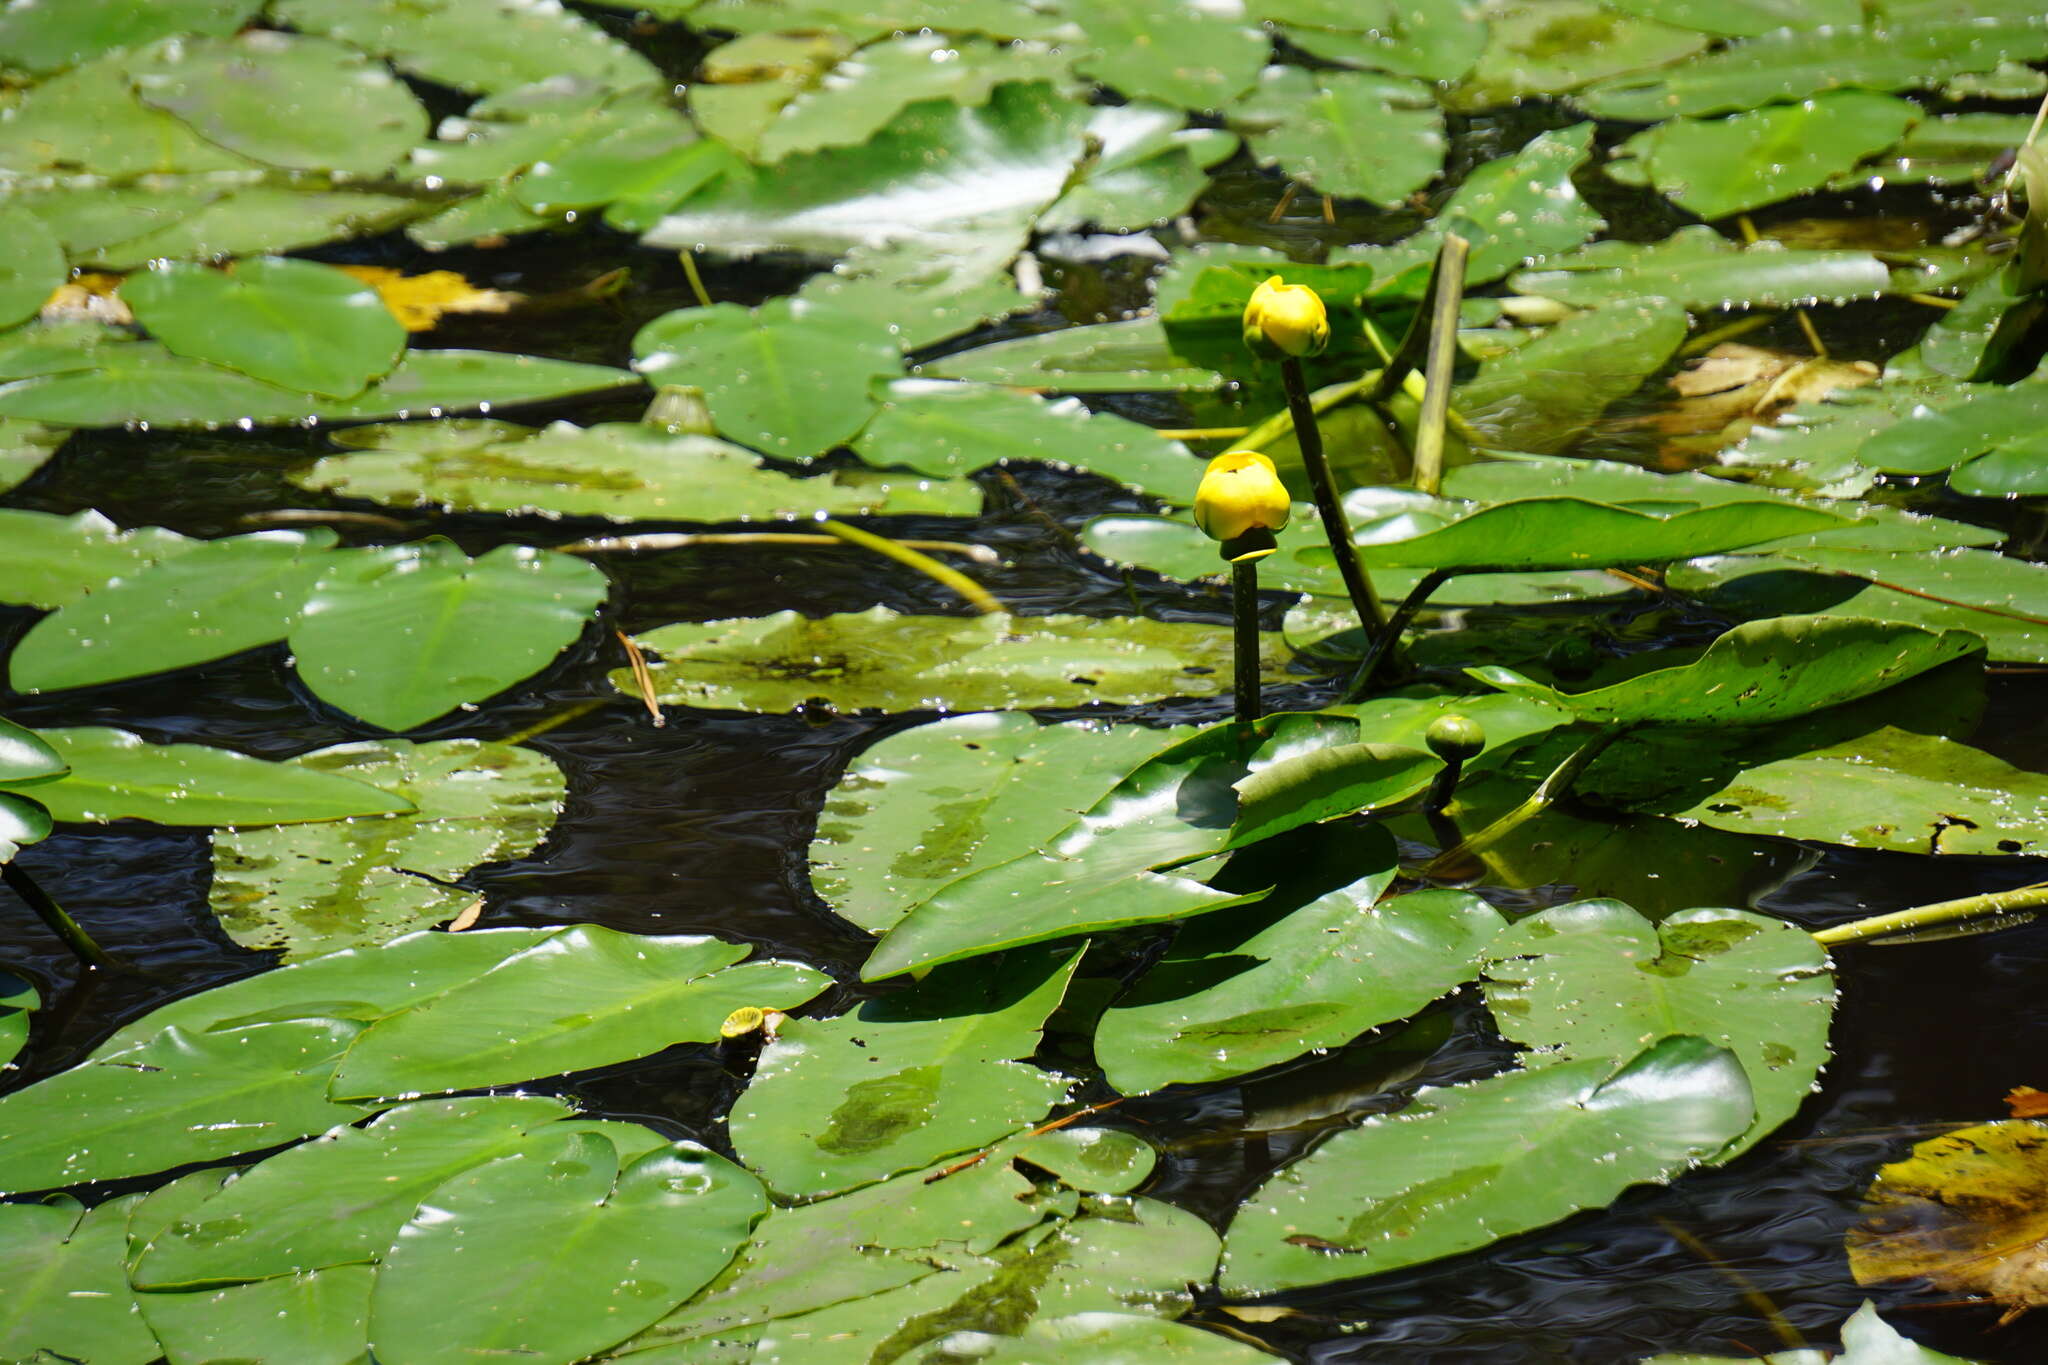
[(948, 429), (789, 378), (1551, 48), (617, 470), (1345, 132), (116, 775), (1543, 396), (33, 267), (883, 660), (936, 802), (1890, 789), (1159, 49), (1466, 1165), (348, 882), (403, 634), (587, 997), (1967, 1211), (475, 44), (900, 1082), (289, 323), (1699, 268), (560, 1223), (1100, 1339), (317, 1319), (26, 447), (207, 602), (1107, 357), (1151, 168), (421, 301), (1425, 38), (1760, 672), (1595, 979), (89, 120), (1314, 974), (175, 1099), (51, 561), (208, 222), (1744, 18), (18, 1000), (1722, 166), (50, 37), (297, 103), (67, 1297), (1562, 533)]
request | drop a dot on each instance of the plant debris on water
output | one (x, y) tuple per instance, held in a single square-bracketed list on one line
[(623, 741)]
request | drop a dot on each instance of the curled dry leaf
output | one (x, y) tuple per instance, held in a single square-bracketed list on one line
[(421, 301), (1967, 1211), (1721, 395), (90, 297), (2027, 1102)]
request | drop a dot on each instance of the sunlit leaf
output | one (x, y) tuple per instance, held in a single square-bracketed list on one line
[(1100, 1339), (1701, 269), (1558, 46), (475, 44), (1107, 357), (89, 119), (26, 447), (1867, 1339), (18, 1000), (1543, 396), (1150, 169), (67, 1297), (1745, 18), (1595, 979), (32, 268), (1345, 132), (1571, 533), (322, 1318), (1163, 50), (49, 37), (1721, 166), (348, 882), (1427, 38), (403, 634)]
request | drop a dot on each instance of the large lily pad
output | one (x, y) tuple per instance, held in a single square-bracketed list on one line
[(567, 1221), (944, 429), (583, 998), (1699, 268), (901, 1081), (18, 1000), (475, 44), (1560, 45), (1595, 979), (33, 268), (790, 378), (1352, 133), (1224, 1002), (1760, 672), (49, 37), (1160, 49), (618, 470), (67, 1297), (934, 803), (406, 633), (1543, 396), (1744, 18), (1571, 533), (115, 775), (348, 882), (317, 1319), (890, 662), (1132, 356), (1466, 1165), (1100, 1339)]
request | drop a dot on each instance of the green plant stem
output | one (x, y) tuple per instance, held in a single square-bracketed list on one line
[(1244, 616), (1941, 912), (1371, 614), (1384, 641), (62, 925), (977, 596), (1282, 422), (679, 540), (1443, 356), (1547, 793), (1444, 787)]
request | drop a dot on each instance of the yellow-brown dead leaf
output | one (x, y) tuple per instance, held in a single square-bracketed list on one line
[(420, 301), (1967, 1211), (90, 297), (2027, 1102), (1733, 387)]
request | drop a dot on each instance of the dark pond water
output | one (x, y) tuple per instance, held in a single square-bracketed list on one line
[(703, 826)]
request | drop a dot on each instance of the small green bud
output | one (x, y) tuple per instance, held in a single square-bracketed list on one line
[(1454, 738)]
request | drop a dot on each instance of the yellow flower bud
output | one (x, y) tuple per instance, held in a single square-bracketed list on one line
[(1285, 319), (1242, 502)]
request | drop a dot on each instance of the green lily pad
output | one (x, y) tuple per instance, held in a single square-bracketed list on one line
[(1113, 865), (89, 119), (587, 997), (403, 634), (1468, 1164), (67, 1297), (317, 1319), (1511, 210), (563, 1223), (1351, 133), (116, 775), (33, 268), (303, 104), (886, 661), (23, 821), (1151, 169), (18, 1000), (1946, 149), (1759, 672), (1543, 396), (1570, 533), (1889, 789), (1555, 47), (1699, 268), (1745, 18), (901, 1081), (50, 561), (26, 447), (621, 471), (1100, 1339), (122, 227), (951, 429), (1424, 38), (290, 323), (1722, 166), (475, 44), (46, 37), (931, 804), (791, 379), (1133, 356), (26, 758), (349, 882), (1595, 979), (1224, 1001), (175, 1099), (1159, 49), (917, 294), (1980, 419)]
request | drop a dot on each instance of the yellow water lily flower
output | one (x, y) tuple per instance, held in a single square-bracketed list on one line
[(1241, 502), (1285, 319)]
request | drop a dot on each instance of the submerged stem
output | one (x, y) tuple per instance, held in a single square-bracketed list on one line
[(1244, 616), (1546, 794), (977, 596), (1323, 486), (1383, 643), (1941, 912), (52, 914)]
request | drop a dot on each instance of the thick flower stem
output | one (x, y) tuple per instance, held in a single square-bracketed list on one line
[(1941, 913), (1547, 793), (1448, 298), (1244, 612), (52, 914), (978, 597), (1387, 637), (1371, 614)]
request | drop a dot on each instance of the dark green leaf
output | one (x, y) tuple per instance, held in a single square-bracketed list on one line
[(1570, 533), (66, 1296), (116, 775), (1350, 133), (1699, 268)]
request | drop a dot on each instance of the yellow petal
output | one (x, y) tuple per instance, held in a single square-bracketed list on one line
[(1240, 491), (420, 301), (1286, 318)]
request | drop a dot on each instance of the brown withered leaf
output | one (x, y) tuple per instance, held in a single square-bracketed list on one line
[(1731, 388), (88, 297), (2027, 1102), (421, 301), (1967, 1211)]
